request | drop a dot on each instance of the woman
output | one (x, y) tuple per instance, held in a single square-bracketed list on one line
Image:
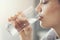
[(50, 18)]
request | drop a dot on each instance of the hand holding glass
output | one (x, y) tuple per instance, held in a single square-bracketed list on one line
[(22, 23)]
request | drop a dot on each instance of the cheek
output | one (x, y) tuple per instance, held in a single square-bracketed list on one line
[(49, 22), (50, 16)]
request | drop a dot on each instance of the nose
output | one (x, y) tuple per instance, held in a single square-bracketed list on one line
[(38, 8)]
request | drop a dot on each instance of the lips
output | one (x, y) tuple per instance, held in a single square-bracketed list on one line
[(40, 18)]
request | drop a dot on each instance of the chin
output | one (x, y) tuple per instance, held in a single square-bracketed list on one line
[(44, 25)]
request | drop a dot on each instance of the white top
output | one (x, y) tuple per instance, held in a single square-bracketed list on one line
[(51, 35)]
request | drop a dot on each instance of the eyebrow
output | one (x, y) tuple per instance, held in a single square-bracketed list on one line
[(43, 0), (59, 1)]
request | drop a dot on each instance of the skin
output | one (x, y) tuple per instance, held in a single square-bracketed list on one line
[(25, 31), (50, 13), (50, 18)]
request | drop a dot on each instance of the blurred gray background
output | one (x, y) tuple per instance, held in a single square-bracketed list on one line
[(11, 7)]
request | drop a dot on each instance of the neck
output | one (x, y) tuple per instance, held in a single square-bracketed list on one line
[(57, 29)]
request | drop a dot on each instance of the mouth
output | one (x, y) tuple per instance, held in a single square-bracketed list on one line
[(40, 18)]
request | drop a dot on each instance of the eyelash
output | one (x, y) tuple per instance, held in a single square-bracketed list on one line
[(44, 2)]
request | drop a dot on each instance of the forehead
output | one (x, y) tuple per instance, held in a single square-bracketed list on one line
[(49, 0), (43, 0)]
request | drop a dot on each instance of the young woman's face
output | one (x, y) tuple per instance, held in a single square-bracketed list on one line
[(50, 13)]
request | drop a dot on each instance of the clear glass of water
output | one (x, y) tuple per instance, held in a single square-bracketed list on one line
[(28, 13)]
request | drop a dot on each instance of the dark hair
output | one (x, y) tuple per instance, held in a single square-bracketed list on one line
[(59, 1)]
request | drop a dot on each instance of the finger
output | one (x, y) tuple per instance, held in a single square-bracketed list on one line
[(22, 33), (21, 24), (10, 19), (28, 30), (20, 14), (13, 17)]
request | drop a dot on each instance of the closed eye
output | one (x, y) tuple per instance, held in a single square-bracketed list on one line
[(44, 1)]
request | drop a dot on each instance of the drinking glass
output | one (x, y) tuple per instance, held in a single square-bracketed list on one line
[(29, 12)]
